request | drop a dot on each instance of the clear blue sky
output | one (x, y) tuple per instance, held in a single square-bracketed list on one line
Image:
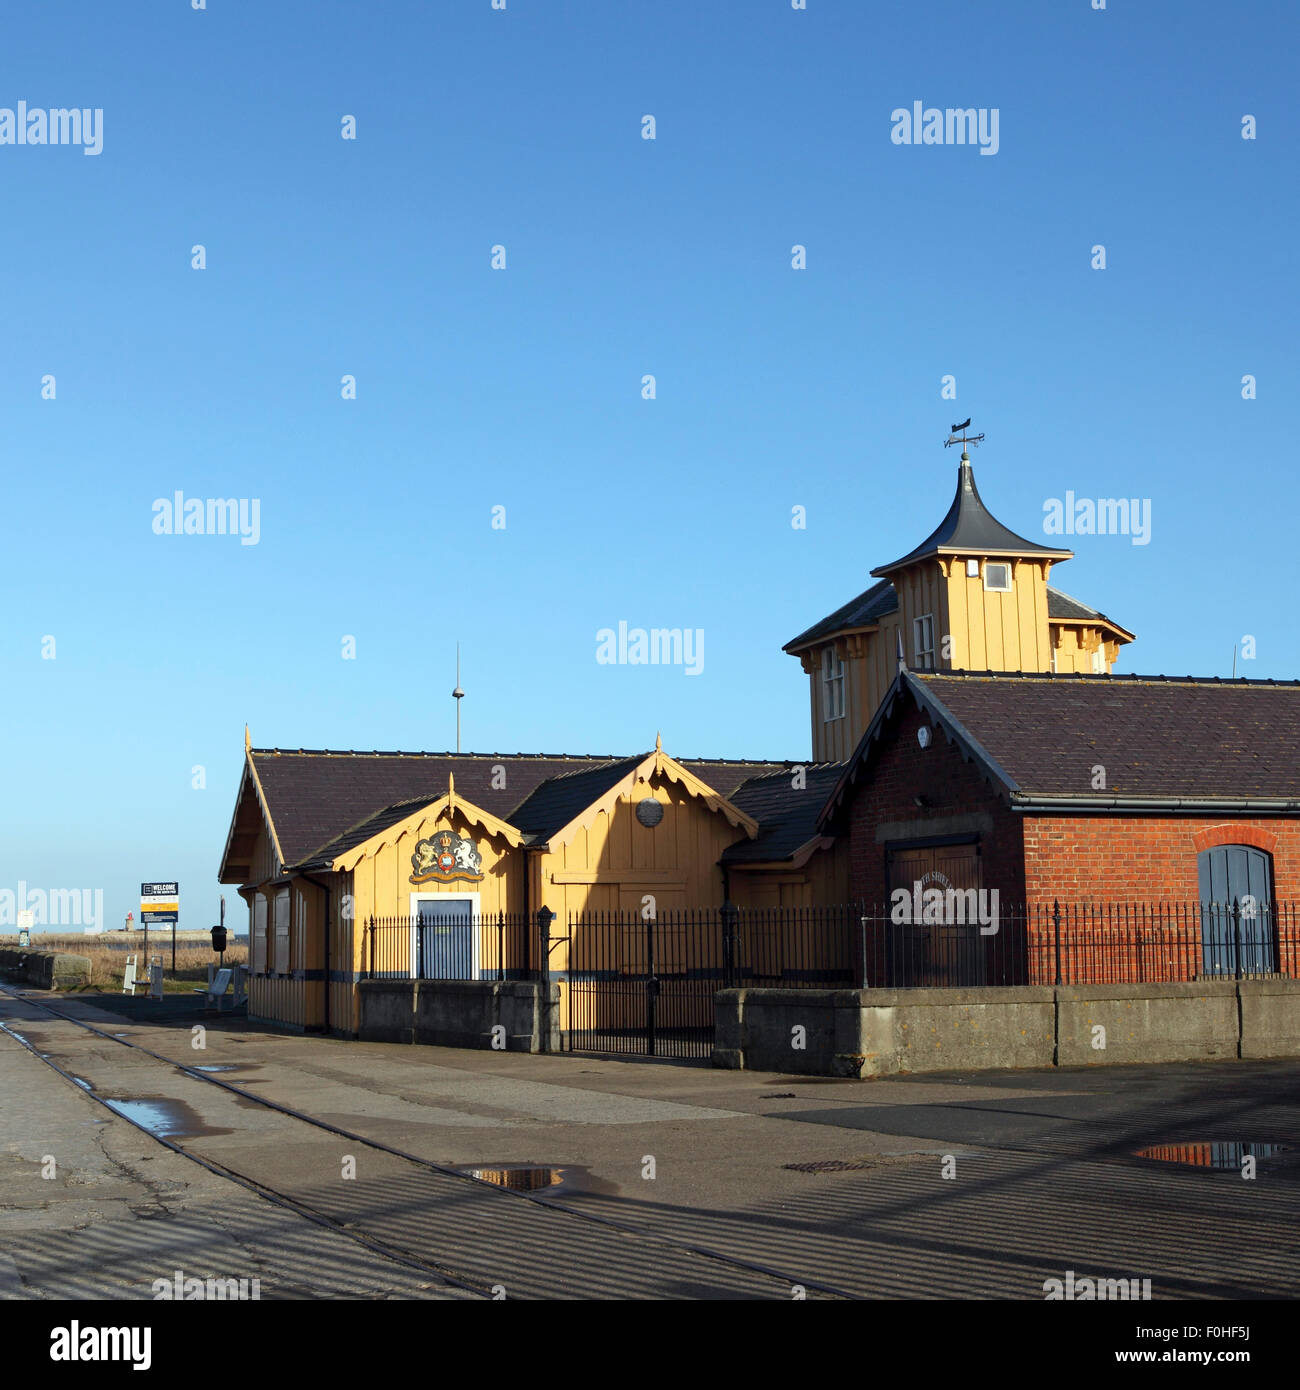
[(522, 388)]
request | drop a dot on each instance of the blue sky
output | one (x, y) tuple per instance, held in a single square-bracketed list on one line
[(521, 388)]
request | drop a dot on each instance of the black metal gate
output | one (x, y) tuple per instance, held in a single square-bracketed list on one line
[(643, 985)]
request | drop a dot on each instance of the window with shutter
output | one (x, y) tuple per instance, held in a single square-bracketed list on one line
[(258, 942), (281, 963)]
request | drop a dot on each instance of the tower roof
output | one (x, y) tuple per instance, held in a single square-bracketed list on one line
[(971, 529)]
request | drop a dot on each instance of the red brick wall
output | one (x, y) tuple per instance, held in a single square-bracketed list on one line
[(1129, 865), (1145, 858), (952, 787)]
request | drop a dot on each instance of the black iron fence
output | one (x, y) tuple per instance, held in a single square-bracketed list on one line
[(959, 938), (628, 983), (447, 944)]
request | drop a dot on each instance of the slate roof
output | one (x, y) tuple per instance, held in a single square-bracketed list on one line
[(555, 803), (1063, 605), (317, 794), (1167, 743), (321, 859), (323, 800), (881, 600), (869, 607), (787, 819), (970, 528)]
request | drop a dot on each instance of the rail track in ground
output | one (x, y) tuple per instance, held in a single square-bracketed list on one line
[(442, 1271)]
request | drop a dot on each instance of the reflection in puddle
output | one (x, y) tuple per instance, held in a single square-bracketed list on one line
[(163, 1117), (225, 1066), (1222, 1155), (83, 1083), (522, 1177)]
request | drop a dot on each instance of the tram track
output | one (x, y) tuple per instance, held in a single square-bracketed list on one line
[(377, 1245)]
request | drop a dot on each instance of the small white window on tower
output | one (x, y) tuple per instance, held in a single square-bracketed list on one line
[(972, 569), (1099, 662), (923, 641), (997, 577), (832, 685)]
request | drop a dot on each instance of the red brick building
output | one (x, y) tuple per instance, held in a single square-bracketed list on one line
[(1147, 797)]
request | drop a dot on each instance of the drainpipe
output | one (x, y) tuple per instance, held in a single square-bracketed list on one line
[(325, 888)]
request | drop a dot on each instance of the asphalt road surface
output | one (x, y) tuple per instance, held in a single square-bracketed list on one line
[(655, 1180)]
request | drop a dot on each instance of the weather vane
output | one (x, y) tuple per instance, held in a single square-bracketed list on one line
[(963, 441)]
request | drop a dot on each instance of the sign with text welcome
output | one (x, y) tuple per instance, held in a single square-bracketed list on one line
[(159, 902)]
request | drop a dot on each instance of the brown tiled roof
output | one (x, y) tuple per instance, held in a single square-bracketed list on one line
[(315, 795), (1175, 743), (321, 799), (786, 816)]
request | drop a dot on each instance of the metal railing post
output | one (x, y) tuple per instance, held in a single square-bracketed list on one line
[(544, 919), (1236, 934), (1056, 919), (864, 980), (652, 986), (729, 916)]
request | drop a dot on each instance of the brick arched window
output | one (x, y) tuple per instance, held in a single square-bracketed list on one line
[(1236, 892)]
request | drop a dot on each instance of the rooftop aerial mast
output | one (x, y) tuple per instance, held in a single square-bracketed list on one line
[(458, 695)]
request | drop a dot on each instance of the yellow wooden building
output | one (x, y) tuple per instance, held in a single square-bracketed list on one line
[(340, 854), (494, 834)]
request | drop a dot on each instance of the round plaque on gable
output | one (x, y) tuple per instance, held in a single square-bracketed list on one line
[(649, 811)]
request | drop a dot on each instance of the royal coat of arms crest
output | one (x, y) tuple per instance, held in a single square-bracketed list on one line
[(446, 858)]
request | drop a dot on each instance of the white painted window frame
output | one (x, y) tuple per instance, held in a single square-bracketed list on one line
[(832, 677), (921, 627), (998, 588)]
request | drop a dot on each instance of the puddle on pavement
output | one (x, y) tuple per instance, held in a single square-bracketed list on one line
[(1213, 1155), (522, 1177), (163, 1117), (225, 1066), (83, 1083)]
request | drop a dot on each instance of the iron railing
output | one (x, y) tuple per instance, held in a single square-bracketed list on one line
[(962, 940), (448, 946)]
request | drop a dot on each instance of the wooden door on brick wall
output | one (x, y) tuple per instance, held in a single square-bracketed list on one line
[(943, 953)]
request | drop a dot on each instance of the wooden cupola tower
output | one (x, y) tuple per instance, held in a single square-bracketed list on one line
[(973, 596)]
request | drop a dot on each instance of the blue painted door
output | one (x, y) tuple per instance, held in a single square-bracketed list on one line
[(1243, 875), (445, 940)]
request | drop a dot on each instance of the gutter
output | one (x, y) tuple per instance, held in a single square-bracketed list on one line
[(1029, 801)]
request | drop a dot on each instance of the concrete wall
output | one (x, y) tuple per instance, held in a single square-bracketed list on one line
[(459, 1013), (1270, 1018), (45, 969), (1147, 1023), (885, 1032), (877, 1032)]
